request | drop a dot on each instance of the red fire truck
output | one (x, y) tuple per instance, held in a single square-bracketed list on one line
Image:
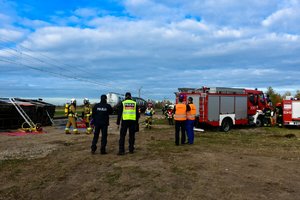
[(225, 107), (291, 112)]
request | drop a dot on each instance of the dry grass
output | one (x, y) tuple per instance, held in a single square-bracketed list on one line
[(261, 163)]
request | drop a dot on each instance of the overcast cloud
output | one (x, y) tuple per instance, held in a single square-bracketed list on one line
[(79, 49)]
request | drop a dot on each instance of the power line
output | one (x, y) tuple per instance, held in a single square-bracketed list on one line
[(31, 59), (55, 73), (64, 67)]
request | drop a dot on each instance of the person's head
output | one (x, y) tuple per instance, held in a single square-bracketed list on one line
[(128, 95), (180, 98), (103, 98), (73, 101), (86, 101), (190, 99)]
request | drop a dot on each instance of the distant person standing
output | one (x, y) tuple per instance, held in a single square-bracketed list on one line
[(100, 119), (180, 110), (279, 113), (86, 115), (268, 114), (129, 114), (149, 112), (72, 116), (170, 115), (190, 121)]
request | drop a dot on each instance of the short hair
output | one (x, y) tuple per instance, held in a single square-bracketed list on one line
[(128, 95), (103, 97)]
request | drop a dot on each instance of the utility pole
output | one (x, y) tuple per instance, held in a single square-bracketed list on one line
[(140, 91)]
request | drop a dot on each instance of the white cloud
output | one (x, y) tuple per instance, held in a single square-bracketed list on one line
[(226, 32), (34, 23), (163, 45), (147, 9), (10, 35), (284, 20)]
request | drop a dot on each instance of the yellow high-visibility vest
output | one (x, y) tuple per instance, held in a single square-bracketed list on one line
[(129, 110)]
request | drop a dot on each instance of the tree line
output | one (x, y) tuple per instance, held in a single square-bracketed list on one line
[(276, 97)]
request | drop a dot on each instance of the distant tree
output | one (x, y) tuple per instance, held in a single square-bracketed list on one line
[(288, 93), (161, 104), (274, 97), (297, 94)]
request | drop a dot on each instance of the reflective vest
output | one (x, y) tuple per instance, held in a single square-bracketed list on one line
[(129, 110), (72, 111), (190, 115), (180, 113), (149, 112), (87, 110), (67, 109)]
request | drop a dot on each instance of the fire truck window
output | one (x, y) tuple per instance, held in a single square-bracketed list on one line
[(251, 99), (262, 98), (256, 100)]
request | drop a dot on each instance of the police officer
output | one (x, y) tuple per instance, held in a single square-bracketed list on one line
[(100, 119), (180, 110), (190, 120), (129, 114), (72, 116)]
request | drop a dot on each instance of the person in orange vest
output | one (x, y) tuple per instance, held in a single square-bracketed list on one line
[(190, 120), (180, 110)]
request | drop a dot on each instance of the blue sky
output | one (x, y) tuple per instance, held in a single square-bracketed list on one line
[(58, 50)]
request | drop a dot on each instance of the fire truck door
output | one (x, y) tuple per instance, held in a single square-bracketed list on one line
[(296, 109)]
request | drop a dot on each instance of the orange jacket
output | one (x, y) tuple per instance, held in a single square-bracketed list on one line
[(180, 112), (190, 115)]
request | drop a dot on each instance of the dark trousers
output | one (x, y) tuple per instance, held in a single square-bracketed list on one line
[(179, 125), (170, 121), (267, 121), (103, 129), (279, 120), (127, 124)]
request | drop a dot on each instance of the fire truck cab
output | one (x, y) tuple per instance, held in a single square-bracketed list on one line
[(225, 107)]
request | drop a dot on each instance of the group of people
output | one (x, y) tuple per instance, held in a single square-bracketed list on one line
[(184, 116), (273, 115), (128, 119), (70, 112), (98, 117)]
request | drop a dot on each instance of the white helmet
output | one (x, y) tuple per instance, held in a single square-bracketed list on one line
[(86, 101), (73, 101)]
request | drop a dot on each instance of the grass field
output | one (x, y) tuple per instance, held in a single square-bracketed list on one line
[(246, 163)]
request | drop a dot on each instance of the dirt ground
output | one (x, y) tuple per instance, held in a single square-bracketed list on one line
[(246, 163)]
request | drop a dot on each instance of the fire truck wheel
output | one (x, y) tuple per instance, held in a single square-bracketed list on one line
[(259, 122), (226, 125)]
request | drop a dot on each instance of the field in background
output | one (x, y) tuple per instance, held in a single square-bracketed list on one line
[(246, 163)]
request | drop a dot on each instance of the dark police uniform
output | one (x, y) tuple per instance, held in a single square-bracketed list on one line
[(100, 116)]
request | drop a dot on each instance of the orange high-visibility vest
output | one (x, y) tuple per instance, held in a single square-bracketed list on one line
[(191, 115), (180, 113)]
